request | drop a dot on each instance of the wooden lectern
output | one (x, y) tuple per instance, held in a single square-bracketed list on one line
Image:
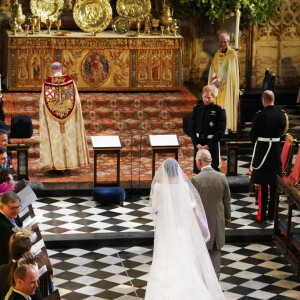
[(106, 144), (163, 144)]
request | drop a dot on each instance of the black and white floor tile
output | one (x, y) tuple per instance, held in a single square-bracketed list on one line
[(74, 215), (250, 271)]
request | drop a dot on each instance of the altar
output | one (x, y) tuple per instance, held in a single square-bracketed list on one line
[(105, 62)]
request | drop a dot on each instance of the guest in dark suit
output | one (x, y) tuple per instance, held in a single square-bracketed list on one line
[(215, 195), (18, 246), (268, 126), (9, 208), (4, 143), (26, 281)]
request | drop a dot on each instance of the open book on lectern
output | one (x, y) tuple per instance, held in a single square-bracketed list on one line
[(164, 140), (106, 141)]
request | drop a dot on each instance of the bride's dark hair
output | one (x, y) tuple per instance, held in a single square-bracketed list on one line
[(171, 167)]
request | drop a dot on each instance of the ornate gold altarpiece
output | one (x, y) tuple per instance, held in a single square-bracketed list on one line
[(106, 62)]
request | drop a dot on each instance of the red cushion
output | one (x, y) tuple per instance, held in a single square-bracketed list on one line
[(285, 153), (289, 179), (296, 170)]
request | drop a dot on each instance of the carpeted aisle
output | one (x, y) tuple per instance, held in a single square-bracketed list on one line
[(132, 116)]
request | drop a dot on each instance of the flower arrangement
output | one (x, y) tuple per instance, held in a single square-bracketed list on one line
[(253, 11)]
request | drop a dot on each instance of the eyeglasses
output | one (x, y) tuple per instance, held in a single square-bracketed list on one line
[(14, 208)]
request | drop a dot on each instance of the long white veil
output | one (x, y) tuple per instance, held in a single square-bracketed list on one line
[(181, 266)]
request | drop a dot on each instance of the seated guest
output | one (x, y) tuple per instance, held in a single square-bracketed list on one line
[(10, 204), (3, 138), (4, 142), (26, 281), (19, 252), (6, 181), (18, 246), (5, 161)]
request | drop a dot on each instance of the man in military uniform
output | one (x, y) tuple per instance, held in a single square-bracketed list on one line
[(207, 127), (268, 126)]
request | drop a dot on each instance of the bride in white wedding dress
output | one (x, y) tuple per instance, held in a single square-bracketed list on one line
[(181, 267)]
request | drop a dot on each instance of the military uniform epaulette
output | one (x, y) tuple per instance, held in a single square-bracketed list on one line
[(282, 110)]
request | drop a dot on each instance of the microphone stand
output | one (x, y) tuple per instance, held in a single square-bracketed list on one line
[(140, 154)]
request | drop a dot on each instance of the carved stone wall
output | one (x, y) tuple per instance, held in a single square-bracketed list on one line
[(276, 47)]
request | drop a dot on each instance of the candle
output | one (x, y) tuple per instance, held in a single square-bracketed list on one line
[(237, 28), (0, 83)]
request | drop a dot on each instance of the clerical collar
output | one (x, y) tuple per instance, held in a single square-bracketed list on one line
[(224, 50), (57, 74), (24, 295)]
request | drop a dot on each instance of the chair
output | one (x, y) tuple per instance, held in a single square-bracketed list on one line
[(287, 154), (294, 178), (21, 127)]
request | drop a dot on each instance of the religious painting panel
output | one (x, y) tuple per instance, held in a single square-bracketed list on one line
[(103, 69), (155, 68), (96, 64), (29, 68)]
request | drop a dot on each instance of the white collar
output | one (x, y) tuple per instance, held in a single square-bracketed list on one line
[(57, 74)]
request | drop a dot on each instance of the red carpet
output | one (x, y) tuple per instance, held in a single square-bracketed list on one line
[(132, 116)]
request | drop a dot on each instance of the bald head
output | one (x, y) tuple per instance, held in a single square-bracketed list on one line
[(56, 67), (268, 98), (26, 279)]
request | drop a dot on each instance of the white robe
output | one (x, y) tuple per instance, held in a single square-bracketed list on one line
[(62, 150)]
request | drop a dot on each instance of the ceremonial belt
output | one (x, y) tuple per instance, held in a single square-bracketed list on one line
[(267, 140), (209, 137)]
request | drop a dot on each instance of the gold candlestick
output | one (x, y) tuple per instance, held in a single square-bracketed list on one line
[(32, 23), (14, 25), (138, 27), (155, 24), (58, 24), (48, 24), (37, 26), (26, 29)]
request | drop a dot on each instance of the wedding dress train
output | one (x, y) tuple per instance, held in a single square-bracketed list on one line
[(181, 267)]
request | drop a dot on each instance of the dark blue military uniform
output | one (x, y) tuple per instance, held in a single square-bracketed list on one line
[(208, 124), (267, 128)]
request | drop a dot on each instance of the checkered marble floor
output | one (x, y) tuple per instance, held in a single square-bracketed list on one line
[(74, 215), (248, 271)]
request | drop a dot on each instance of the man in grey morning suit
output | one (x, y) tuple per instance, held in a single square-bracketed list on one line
[(215, 195)]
